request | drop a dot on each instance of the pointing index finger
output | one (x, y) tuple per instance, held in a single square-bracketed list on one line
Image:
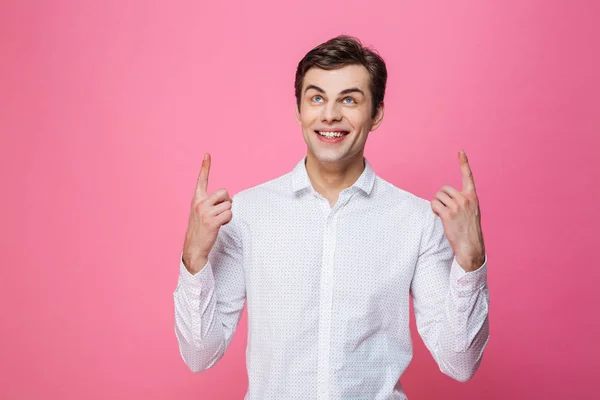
[(202, 187), (468, 182)]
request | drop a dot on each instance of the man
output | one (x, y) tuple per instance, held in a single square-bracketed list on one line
[(328, 255)]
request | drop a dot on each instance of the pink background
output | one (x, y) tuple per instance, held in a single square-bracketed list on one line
[(107, 107)]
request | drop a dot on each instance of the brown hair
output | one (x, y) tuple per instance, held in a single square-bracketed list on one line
[(337, 53)]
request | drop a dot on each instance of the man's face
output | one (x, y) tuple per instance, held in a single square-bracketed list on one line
[(335, 113)]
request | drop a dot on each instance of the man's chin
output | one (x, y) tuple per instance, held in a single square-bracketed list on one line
[(329, 158)]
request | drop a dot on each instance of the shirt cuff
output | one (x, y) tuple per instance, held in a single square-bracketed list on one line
[(198, 280), (468, 282)]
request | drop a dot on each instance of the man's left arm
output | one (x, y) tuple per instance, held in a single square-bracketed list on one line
[(451, 305), (449, 287)]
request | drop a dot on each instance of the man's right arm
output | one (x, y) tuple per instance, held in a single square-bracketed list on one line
[(211, 290), (209, 303)]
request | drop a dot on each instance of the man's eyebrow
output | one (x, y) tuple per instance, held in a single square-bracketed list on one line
[(318, 89), (352, 90), (345, 91)]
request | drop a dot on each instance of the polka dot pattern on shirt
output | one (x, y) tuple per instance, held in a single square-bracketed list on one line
[(328, 291)]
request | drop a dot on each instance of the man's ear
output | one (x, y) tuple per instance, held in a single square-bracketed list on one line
[(298, 115), (378, 116)]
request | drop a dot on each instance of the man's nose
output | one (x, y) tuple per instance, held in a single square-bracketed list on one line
[(331, 112)]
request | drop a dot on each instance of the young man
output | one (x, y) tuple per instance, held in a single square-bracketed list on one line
[(328, 255)]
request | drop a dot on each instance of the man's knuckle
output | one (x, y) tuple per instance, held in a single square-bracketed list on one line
[(198, 207), (204, 218)]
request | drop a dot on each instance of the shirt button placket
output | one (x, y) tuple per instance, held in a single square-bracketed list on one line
[(326, 296)]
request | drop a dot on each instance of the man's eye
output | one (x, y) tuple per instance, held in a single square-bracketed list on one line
[(349, 100), (317, 99)]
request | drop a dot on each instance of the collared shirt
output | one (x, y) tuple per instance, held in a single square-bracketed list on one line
[(328, 291)]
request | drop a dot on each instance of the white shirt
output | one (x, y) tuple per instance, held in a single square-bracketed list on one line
[(328, 291)]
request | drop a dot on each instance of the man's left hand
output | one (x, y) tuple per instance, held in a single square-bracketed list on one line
[(459, 211)]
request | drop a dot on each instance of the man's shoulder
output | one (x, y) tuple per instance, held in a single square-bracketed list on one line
[(398, 197), (269, 190)]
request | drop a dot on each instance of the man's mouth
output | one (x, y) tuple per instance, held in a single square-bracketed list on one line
[(332, 134)]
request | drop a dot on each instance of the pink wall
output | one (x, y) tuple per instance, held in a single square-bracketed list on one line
[(107, 107)]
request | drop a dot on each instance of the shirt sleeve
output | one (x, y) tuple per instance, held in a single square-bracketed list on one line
[(451, 305), (209, 304)]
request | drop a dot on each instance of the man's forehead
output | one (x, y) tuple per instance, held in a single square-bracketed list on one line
[(339, 78)]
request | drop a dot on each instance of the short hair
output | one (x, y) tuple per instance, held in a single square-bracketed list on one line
[(337, 53)]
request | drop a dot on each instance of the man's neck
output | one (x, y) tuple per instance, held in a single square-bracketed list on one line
[(329, 179)]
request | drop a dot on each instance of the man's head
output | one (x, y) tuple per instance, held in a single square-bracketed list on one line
[(339, 89), (339, 52)]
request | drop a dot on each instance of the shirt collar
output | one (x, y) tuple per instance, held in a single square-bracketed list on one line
[(300, 179)]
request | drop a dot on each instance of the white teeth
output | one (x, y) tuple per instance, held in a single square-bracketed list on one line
[(330, 134)]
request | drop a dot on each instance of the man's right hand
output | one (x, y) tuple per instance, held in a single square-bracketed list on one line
[(207, 215)]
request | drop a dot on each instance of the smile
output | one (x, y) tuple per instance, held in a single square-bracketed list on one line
[(332, 134)]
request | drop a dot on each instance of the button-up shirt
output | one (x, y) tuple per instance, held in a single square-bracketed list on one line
[(328, 291)]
